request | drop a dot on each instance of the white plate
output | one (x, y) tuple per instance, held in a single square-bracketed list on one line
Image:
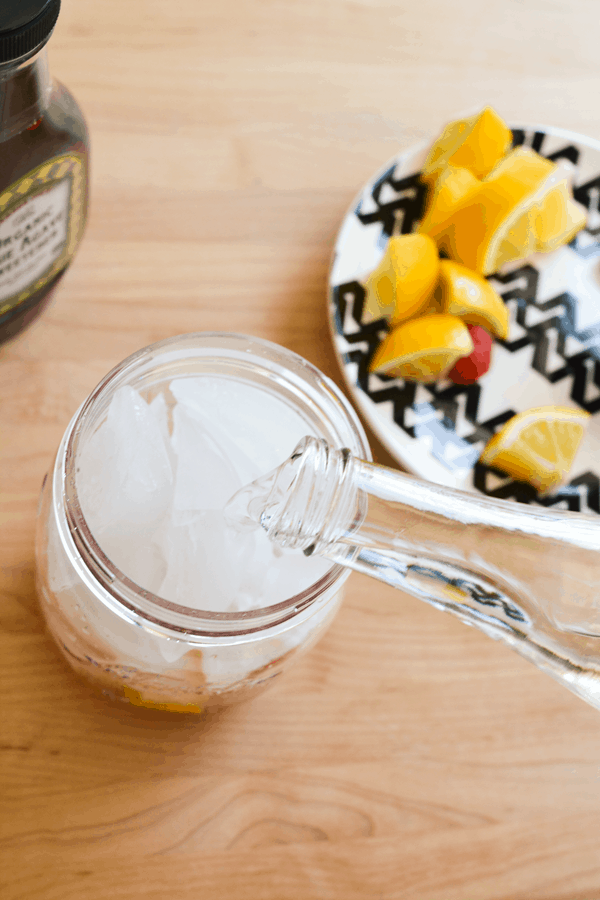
[(551, 356)]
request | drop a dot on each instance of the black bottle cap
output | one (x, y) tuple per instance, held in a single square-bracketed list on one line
[(24, 25)]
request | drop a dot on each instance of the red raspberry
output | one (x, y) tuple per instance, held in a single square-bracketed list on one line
[(469, 368)]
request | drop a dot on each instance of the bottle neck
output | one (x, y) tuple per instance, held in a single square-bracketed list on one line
[(524, 574), (309, 503), (321, 496), (25, 89)]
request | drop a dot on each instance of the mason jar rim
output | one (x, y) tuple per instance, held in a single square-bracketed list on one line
[(282, 366)]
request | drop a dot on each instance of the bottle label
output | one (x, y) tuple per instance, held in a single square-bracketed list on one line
[(41, 220)]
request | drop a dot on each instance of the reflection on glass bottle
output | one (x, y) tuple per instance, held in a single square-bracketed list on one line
[(43, 166), (522, 574)]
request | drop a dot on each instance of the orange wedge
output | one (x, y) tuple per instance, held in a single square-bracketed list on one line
[(538, 446), (423, 349)]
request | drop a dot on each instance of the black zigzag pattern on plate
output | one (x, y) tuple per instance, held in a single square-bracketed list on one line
[(549, 337), (582, 494), (399, 214), (588, 195), (536, 139)]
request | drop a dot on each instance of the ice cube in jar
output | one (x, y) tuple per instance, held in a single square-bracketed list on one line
[(153, 495)]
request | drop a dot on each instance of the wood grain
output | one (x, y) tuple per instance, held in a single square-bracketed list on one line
[(407, 756)]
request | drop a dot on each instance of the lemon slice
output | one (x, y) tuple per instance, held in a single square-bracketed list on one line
[(423, 349), (476, 143), (462, 292), (402, 283), (538, 446)]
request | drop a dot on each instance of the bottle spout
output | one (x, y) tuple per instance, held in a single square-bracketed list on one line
[(306, 503), (244, 511)]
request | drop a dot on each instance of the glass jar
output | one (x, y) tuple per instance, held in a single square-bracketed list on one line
[(135, 645), (43, 166)]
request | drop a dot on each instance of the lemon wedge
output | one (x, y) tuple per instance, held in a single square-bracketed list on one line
[(462, 292), (423, 349), (558, 217), (520, 172), (454, 187), (402, 283), (538, 446), (542, 221), (502, 221), (476, 143)]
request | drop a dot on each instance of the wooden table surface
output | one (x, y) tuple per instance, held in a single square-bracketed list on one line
[(407, 756)]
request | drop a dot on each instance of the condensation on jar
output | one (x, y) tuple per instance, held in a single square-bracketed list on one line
[(135, 645)]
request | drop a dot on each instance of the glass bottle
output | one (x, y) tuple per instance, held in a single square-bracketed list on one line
[(141, 648), (43, 166), (527, 575)]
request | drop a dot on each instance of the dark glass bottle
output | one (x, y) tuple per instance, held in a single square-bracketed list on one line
[(43, 166)]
